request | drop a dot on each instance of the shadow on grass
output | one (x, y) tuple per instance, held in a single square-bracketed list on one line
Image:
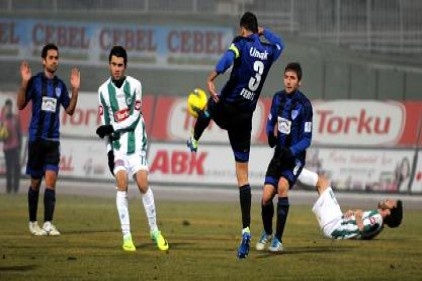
[(18, 268), (91, 231), (303, 250)]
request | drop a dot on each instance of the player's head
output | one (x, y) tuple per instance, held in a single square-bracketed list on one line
[(48, 47), (50, 57), (117, 61), (118, 51), (393, 212), (249, 22), (292, 77)]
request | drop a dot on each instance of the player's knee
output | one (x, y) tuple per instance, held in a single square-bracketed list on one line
[(283, 187), (322, 183)]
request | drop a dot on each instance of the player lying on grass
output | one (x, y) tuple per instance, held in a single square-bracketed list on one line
[(352, 224)]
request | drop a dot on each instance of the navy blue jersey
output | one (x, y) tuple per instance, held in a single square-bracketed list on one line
[(252, 62), (293, 115), (46, 95)]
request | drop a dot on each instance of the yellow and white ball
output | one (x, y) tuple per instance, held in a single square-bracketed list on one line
[(197, 100)]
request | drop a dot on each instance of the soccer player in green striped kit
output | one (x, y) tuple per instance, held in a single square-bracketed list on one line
[(123, 127)]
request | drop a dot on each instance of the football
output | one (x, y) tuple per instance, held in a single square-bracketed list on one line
[(197, 100)]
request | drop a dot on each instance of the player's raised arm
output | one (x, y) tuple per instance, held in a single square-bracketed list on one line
[(26, 75), (75, 82)]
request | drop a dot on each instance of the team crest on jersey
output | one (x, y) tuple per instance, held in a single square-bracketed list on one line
[(128, 100), (58, 92), (294, 114)]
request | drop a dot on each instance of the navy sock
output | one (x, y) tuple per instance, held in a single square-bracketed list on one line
[(201, 124), (282, 212), (267, 213), (49, 204), (33, 203), (245, 204)]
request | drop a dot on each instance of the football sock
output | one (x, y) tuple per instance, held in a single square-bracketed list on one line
[(33, 203), (201, 124), (149, 206), (267, 213), (123, 210), (49, 203), (245, 204), (282, 212)]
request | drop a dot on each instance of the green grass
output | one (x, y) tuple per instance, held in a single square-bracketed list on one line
[(203, 240)]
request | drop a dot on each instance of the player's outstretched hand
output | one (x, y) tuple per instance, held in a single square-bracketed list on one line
[(104, 130)]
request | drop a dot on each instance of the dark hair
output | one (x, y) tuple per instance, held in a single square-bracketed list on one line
[(8, 102), (250, 22), (396, 214), (46, 48), (118, 51), (294, 66)]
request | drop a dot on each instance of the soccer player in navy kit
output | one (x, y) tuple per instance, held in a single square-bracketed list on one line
[(289, 129), (47, 93), (233, 108)]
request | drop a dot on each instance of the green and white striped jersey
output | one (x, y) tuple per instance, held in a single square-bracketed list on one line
[(121, 108), (348, 229)]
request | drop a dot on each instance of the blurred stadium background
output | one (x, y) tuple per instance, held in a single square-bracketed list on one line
[(362, 63)]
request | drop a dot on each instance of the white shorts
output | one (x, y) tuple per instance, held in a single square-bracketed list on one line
[(327, 212), (130, 163)]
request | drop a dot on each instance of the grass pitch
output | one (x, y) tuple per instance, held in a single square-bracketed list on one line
[(203, 240)]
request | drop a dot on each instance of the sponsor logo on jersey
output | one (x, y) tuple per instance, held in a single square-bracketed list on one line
[(48, 104), (284, 125), (121, 115)]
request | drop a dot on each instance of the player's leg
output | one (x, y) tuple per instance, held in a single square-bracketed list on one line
[(240, 140), (139, 165), (272, 177), (51, 168), (122, 205), (283, 206), (311, 178), (122, 202), (202, 122), (267, 213), (34, 168)]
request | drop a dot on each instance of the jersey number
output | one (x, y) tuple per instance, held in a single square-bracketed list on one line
[(258, 67)]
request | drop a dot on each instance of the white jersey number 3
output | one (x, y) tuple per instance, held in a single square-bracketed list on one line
[(258, 66)]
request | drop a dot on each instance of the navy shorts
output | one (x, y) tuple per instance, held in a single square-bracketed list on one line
[(238, 124), (277, 169), (42, 155)]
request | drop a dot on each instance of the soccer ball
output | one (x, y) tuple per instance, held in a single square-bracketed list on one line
[(197, 100)]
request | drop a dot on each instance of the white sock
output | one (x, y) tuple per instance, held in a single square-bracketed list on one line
[(123, 210), (149, 206)]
